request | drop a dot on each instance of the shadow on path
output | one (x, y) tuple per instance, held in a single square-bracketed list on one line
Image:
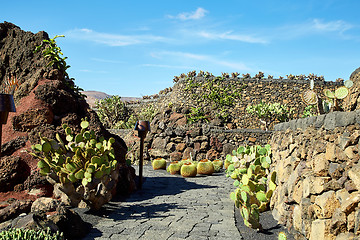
[(271, 228)]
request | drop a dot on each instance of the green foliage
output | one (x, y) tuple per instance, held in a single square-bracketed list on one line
[(255, 185), (80, 160), (27, 234), (213, 93), (52, 52), (309, 111), (196, 114), (112, 111), (267, 113)]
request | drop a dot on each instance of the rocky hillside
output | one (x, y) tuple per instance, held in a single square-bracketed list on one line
[(43, 103)]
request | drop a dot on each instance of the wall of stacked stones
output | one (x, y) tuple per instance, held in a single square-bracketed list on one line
[(318, 169), (253, 91), (173, 139)]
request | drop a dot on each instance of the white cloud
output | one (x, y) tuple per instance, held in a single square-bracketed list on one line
[(312, 27), (167, 66), (229, 36), (113, 40), (198, 14), (332, 26)]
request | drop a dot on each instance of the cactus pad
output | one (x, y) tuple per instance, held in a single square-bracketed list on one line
[(282, 236), (341, 92), (310, 97), (348, 83), (329, 94)]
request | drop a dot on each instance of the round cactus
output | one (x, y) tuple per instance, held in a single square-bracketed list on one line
[(174, 167), (159, 163), (218, 165), (188, 169), (205, 167)]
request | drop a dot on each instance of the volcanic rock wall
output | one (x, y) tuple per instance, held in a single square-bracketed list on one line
[(43, 103), (318, 169)]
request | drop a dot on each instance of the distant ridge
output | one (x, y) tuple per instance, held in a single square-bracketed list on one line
[(93, 96)]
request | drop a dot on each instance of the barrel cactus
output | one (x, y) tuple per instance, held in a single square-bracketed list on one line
[(205, 167), (174, 167), (79, 166), (218, 165), (25, 234), (188, 169), (159, 163)]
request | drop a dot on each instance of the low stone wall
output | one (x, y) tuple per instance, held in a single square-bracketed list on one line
[(173, 139), (318, 169)]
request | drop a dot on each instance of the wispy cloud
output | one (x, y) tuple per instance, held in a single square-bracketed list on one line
[(167, 66), (332, 26), (114, 40), (313, 27), (237, 66), (230, 36), (197, 14), (107, 61)]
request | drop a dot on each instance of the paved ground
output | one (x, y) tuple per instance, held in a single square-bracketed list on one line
[(172, 207)]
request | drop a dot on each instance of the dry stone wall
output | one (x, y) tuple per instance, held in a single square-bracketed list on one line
[(318, 168), (253, 91)]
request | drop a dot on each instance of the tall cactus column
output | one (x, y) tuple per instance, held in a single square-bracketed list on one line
[(143, 127)]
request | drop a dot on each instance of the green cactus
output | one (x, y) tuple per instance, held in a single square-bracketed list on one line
[(159, 163), (218, 165), (80, 160), (205, 167), (282, 236), (188, 169), (174, 167), (250, 170)]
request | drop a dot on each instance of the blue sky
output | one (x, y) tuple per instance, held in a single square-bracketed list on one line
[(135, 48)]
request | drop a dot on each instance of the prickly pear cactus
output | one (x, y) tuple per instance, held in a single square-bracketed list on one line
[(79, 166), (255, 185)]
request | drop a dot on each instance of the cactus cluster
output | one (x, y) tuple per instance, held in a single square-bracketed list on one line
[(83, 158), (27, 234), (331, 102), (189, 168), (83, 162), (249, 167)]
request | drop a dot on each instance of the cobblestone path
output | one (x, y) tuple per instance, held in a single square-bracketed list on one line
[(170, 207)]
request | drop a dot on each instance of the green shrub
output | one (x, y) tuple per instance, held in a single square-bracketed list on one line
[(112, 111), (26, 234)]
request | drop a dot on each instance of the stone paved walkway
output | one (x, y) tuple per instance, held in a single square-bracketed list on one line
[(170, 207)]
